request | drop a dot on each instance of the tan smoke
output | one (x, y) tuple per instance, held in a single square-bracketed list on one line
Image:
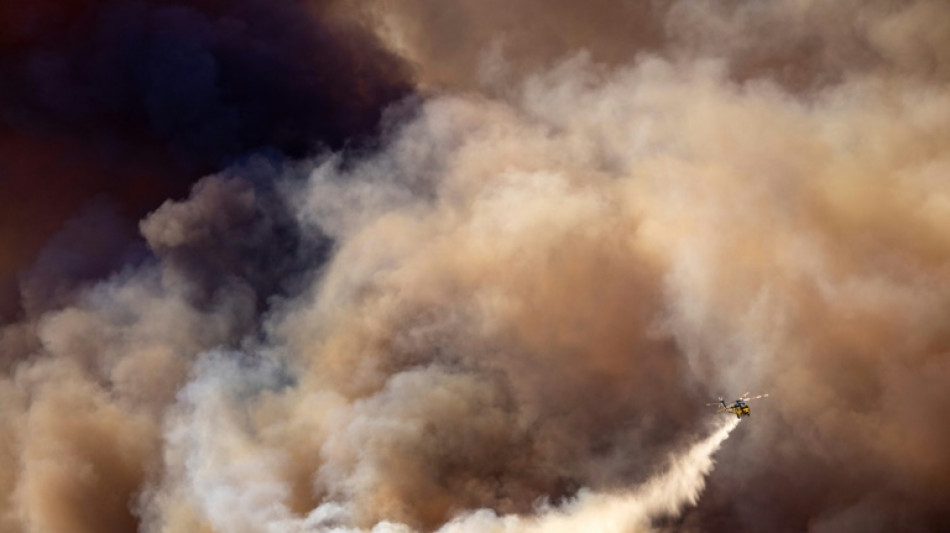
[(464, 44), (528, 295), (83, 410), (523, 292), (479, 44)]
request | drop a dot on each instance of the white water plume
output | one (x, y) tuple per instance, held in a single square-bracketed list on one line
[(666, 494)]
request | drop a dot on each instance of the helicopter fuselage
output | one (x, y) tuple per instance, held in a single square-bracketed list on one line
[(739, 408)]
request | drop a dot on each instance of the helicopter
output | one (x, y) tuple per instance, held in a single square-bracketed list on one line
[(740, 407)]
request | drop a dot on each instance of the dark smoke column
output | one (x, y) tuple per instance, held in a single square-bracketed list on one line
[(135, 100)]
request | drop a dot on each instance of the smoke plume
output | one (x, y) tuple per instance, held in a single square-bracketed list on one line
[(506, 311)]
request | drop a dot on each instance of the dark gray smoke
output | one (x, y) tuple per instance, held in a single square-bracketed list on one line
[(134, 101)]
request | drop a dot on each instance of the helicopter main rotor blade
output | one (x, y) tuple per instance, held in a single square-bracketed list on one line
[(755, 397)]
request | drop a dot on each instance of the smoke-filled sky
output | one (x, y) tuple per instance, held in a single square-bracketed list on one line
[(474, 266)]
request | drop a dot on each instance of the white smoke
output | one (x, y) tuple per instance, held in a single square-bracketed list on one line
[(234, 482)]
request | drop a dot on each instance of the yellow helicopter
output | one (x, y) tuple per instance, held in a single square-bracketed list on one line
[(740, 407)]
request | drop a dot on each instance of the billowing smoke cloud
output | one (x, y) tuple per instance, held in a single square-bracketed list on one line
[(509, 314)]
